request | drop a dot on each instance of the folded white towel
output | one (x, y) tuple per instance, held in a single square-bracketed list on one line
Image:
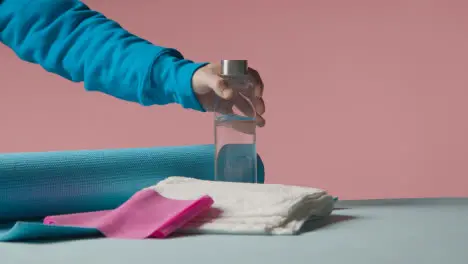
[(244, 208)]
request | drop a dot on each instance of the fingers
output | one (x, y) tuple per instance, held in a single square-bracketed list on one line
[(259, 105), (219, 86), (224, 107), (258, 102), (240, 101), (260, 121), (243, 105), (258, 83)]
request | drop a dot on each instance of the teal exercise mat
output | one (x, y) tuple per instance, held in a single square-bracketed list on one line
[(34, 185)]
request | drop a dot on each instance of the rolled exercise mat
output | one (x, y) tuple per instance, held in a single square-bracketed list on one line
[(35, 185)]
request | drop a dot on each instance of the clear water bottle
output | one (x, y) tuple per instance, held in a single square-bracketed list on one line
[(235, 127)]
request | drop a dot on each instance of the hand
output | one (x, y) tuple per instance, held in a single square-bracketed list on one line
[(209, 87)]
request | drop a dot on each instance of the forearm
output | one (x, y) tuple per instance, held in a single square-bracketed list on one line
[(67, 38)]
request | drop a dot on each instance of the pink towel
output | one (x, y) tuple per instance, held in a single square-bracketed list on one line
[(145, 214)]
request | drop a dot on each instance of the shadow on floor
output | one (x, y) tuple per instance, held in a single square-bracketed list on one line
[(315, 224), (52, 240)]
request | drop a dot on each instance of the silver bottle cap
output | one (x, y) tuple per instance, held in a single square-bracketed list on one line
[(234, 67)]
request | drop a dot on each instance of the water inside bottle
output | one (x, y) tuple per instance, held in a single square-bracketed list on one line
[(236, 158)]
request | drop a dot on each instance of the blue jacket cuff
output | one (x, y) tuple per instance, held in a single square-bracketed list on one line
[(172, 80)]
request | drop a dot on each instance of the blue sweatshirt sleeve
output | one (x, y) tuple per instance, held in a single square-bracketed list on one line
[(69, 39)]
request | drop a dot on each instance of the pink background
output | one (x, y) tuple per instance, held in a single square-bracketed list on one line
[(365, 98)]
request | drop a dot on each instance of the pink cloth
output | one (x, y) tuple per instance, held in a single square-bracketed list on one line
[(145, 214)]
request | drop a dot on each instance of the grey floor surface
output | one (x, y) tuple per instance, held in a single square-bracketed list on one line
[(426, 231)]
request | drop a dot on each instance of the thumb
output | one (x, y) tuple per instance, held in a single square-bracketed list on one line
[(219, 86)]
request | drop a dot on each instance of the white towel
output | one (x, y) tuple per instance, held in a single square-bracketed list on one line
[(245, 208)]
